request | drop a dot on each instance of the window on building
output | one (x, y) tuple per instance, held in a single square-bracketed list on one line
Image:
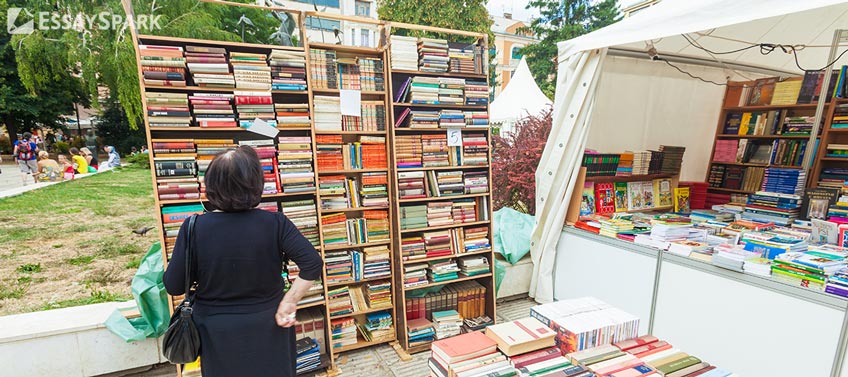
[(363, 8), (516, 53), (321, 3), (322, 23), (365, 38)]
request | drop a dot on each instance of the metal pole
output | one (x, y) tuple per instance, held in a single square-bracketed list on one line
[(653, 313), (79, 125)]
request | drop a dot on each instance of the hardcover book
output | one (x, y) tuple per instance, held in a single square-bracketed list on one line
[(621, 199), (817, 201), (681, 200), (587, 203)]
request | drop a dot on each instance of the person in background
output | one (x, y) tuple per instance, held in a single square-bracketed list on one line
[(67, 167), (143, 149), (25, 152), (133, 151), (48, 169), (50, 140), (90, 140), (114, 160), (242, 313), (91, 159), (79, 163)]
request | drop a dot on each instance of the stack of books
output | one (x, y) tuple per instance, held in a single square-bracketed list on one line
[(294, 162), (434, 148), (462, 60), (304, 216), (340, 303), (577, 323), (641, 162), (404, 53), (516, 339), (376, 262), (376, 225), (408, 151), (442, 270), (473, 353), (288, 70), (475, 149), (424, 90), (373, 153), (334, 229), (253, 105), (378, 294), (334, 192), (769, 207), (725, 150), (208, 67), (411, 185), (174, 161), (433, 55), (310, 323), (213, 110), (323, 69), (451, 91), (420, 332), (424, 119), (476, 93), (784, 181), (475, 239), (328, 150), (811, 269), (464, 210), (476, 182), (349, 74), (292, 115), (837, 283), (473, 265), (374, 190), (377, 327), (476, 324), (343, 332), (476, 119), (172, 219), (328, 115), (413, 247), (371, 74), (438, 244), (439, 213), (162, 65), (251, 71), (267, 153), (415, 275), (451, 118), (446, 183), (373, 118), (672, 159), (413, 216), (167, 109), (797, 126), (308, 355), (446, 323)]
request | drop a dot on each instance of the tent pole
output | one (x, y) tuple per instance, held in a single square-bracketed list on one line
[(838, 36)]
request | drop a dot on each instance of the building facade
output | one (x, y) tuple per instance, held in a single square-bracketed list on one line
[(333, 31), (637, 7), (510, 37)]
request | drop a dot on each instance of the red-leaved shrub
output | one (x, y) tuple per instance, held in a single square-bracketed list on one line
[(516, 157)]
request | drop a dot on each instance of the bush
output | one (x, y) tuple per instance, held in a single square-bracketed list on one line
[(61, 147), (5, 145), (515, 158), (139, 160), (77, 142)]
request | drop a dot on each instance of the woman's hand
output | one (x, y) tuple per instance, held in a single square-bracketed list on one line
[(285, 315)]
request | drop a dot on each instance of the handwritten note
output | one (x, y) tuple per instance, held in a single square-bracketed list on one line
[(351, 102), (454, 137)]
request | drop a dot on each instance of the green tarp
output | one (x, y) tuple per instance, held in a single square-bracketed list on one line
[(512, 238), (151, 298)]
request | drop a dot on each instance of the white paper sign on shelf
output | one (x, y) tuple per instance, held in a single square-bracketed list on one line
[(351, 102), (262, 127), (454, 137)]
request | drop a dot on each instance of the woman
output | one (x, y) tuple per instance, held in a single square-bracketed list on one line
[(80, 164), (67, 167), (48, 169), (243, 316), (114, 160), (91, 159)]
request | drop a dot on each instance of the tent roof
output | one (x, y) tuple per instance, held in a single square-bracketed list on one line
[(520, 97), (725, 25)]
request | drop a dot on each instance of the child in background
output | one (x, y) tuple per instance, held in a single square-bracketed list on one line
[(78, 161), (67, 167)]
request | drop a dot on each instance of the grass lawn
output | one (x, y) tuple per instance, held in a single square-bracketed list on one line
[(71, 244)]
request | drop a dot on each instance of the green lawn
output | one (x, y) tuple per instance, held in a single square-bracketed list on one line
[(71, 244)]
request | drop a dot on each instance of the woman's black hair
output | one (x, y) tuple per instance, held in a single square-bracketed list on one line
[(234, 180)]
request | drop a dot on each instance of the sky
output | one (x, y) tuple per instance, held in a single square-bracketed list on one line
[(498, 7)]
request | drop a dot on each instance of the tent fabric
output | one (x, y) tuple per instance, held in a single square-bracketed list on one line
[(560, 163), (722, 25), (521, 97)]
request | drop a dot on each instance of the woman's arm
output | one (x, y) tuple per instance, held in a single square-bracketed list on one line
[(288, 306), (301, 251)]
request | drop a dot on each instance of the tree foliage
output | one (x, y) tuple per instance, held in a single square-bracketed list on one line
[(515, 159), (559, 21), (105, 57), (114, 128)]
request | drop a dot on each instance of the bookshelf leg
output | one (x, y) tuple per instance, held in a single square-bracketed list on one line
[(403, 355), (332, 371)]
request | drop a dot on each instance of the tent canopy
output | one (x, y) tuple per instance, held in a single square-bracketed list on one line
[(725, 25), (521, 97)]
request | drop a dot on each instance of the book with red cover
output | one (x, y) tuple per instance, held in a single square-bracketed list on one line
[(519, 361), (649, 349), (463, 347), (635, 342), (604, 197)]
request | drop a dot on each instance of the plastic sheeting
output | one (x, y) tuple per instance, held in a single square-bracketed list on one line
[(151, 298), (512, 234)]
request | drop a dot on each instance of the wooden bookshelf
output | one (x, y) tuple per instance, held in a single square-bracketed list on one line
[(396, 79), (829, 135), (763, 137)]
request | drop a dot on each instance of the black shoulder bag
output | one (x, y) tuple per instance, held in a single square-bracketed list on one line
[(181, 344)]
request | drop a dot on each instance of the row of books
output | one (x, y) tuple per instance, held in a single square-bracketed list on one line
[(172, 218), (426, 90), (428, 119), (340, 192), (444, 270), (356, 73), (667, 160), (450, 242), (774, 152), (434, 214), (794, 90), (334, 154), (328, 116), (352, 300), (766, 123), (435, 56), (609, 197), (338, 229), (467, 298), (435, 184), (354, 265), (432, 150), (374, 327)]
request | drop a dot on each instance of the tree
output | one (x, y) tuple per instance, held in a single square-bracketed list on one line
[(514, 162), (467, 15), (561, 20), (114, 127)]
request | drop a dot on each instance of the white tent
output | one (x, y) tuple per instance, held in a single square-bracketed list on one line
[(661, 103), (520, 98)]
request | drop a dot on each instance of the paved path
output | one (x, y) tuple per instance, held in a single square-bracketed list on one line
[(380, 361)]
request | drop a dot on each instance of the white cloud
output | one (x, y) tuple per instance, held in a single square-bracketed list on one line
[(516, 7)]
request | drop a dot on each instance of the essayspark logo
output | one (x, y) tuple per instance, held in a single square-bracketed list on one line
[(12, 27)]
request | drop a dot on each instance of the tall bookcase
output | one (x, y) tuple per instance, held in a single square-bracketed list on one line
[(829, 135), (406, 202)]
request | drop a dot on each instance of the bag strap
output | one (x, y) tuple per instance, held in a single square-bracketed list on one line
[(189, 258)]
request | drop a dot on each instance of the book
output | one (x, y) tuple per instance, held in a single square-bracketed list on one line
[(817, 201), (521, 336), (587, 204), (681, 200), (463, 347)]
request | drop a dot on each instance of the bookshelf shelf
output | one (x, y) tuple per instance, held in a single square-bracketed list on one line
[(457, 280), (413, 261), (337, 91), (216, 129), (440, 74), (310, 305), (191, 88), (441, 106), (772, 107), (431, 228), (280, 195), (762, 137), (347, 49), (437, 198), (840, 159), (189, 41), (730, 190), (628, 178), (361, 344), (357, 245), (351, 209), (356, 282), (756, 164), (416, 130), (362, 312), (838, 130), (663, 208), (352, 171), (437, 168), (331, 132)]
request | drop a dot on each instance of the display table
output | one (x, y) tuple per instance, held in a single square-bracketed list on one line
[(755, 326)]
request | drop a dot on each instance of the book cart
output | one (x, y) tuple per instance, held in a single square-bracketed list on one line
[(433, 176), (350, 160)]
